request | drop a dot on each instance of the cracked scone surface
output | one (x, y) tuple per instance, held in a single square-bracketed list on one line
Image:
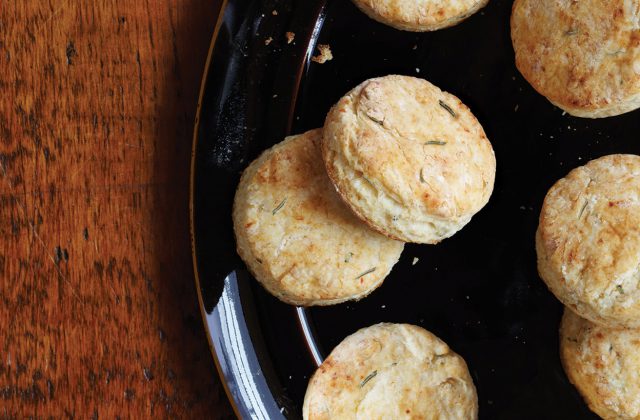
[(391, 371), (584, 56), (588, 240), (297, 237), (603, 364), (420, 15), (411, 160)]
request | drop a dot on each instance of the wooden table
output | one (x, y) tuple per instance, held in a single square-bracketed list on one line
[(98, 310)]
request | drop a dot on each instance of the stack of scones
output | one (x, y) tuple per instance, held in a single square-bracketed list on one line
[(322, 217)]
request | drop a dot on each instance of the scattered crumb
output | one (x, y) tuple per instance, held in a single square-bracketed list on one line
[(564, 113), (467, 297), (415, 47), (274, 12), (415, 260), (325, 54), (417, 69), (516, 108), (268, 41), (275, 96), (290, 37), (383, 306), (523, 208)]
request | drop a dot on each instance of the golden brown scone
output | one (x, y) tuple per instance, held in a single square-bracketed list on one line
[(604, 364), (297, 237), (411, 160), (420, 15), (391, 371), (584, 56), (588, 240)]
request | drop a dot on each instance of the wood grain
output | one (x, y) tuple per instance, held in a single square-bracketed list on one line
[(98, 311)]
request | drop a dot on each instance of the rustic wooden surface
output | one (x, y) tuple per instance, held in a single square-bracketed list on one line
[(98, 311)]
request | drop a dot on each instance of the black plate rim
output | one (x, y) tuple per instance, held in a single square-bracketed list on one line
[(194, 259)]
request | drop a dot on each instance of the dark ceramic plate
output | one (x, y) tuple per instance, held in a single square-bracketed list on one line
[(479, 291)]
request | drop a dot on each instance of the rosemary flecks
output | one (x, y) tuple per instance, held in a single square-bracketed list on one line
[(620, 289), (422, 176), (571, 32), (447, 108), (435, 142), (278, 207), (369, 271), (583, 208), (368, 378), (375, 120)]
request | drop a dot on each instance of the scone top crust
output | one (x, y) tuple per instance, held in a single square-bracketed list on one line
[(603, 363), (420, 15), (296, 235), (410, 159), (584, 56), (588, 240), (391, 371)]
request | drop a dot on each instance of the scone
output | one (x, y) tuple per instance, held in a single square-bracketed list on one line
[(584, 56), (420, 15), (588, 240), (297, 237), (391, 371), (410, 160), (603, 363)]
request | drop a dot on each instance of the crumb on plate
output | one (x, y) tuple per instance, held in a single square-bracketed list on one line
[(324, 54), (290, 37)]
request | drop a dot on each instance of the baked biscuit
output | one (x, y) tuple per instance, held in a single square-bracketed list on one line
[(420, 15), (391, 371), (409, 159), (588, 240), (584, 56), (603, 363), (297, 237)]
